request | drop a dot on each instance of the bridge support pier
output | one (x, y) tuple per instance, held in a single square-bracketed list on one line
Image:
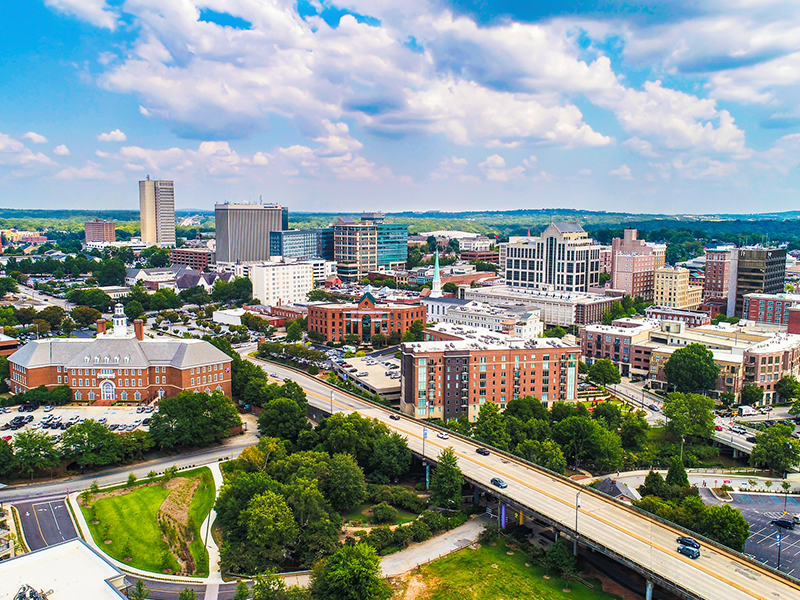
[(503, 516), (735, 453), (649, 592), (476, 495)]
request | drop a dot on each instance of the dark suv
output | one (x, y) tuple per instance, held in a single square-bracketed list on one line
[(785, 523), (690, 552)]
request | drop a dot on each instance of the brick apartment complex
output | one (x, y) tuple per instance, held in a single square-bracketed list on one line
[(194, 258), (491, 256), (448, 379), (621, 343), (100, 231), (718, 272), (121, 365), (769, 308), (634, 263), (364, 318), (692, 318)]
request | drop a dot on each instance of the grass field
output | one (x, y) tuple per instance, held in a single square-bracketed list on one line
[(130, 522), (132, 527), (357, 514), (471, 575)]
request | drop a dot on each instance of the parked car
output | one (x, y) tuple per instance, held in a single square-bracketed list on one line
[(785, 523), (48, 408), (690, 552), (497, 482)]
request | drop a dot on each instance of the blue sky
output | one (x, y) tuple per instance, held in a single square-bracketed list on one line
[(403, 104)]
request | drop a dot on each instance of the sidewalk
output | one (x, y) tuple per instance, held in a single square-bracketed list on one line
[(437, 547), (214, 574)]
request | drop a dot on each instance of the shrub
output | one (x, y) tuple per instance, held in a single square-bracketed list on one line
[(402, 535), (384, 513), (131, 479), (313, 370), (420, 531), (457, 518), (420, 487), (434, 520), (380, 537), (490, 533)]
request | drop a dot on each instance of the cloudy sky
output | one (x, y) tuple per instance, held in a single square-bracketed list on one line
[(675, 106)]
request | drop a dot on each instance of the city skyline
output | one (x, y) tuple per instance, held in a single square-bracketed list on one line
[(665, 108)]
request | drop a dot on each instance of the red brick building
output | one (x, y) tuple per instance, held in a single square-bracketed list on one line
[(364, 319), (100, 231), (121, 366), (492, 256), (769, 308), (194, 258)]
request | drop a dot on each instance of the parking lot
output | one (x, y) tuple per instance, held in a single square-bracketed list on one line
[(126, 416), (759, 510)]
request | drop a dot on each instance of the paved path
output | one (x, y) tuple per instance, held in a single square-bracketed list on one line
[(423, 553), (214, 574)]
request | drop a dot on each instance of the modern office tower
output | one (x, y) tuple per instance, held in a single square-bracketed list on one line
[(302, 243), (563, 258), (157, 211), (718, 272), (243, 231), (754, 270), (366, 246), (672, 289), (100, 231), (634, 263)]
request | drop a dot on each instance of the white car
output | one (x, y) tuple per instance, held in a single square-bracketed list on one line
[(443, 435)]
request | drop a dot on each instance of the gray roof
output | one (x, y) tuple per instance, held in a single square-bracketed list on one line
[(568, 227), (616, 489), (72, 353), (445, 300)]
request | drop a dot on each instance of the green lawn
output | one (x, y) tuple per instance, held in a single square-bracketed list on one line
[(132, 526), (357, 514), (131, 522), (469, 575)]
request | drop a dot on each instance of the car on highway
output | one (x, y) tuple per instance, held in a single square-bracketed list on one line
[(690, 552), (497, 482), (274, 375), (443, 435), (687, 541), (654, 408), (394, 417), (719, 428), (751, 439), (785, 523), (482, 451)]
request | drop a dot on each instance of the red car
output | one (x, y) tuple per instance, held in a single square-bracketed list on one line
[(719, 427), (6, 438)]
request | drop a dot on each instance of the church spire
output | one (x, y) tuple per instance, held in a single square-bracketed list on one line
[(436, 288)]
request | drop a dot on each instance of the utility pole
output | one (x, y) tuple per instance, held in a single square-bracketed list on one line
[(577, 510)]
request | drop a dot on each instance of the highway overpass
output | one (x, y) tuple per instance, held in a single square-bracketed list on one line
[(634, 538)]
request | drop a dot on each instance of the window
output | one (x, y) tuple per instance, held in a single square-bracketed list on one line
[(137, 396), (91, 396), (77, 396), (157, 380), (191, 381), (107, 390)]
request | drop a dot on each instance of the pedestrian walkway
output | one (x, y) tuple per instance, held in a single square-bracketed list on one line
[(212, 591), (437, 547), (214, 574)]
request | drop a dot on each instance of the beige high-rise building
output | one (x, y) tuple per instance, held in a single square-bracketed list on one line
[(633, 264), (672, 289), (157, 210)]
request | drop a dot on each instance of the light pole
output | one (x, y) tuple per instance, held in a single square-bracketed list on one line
[(779, 550), (577, 510), (682, 440), (331, 403)]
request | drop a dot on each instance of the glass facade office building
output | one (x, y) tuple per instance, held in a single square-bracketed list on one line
[(302, 244), (392, 244)]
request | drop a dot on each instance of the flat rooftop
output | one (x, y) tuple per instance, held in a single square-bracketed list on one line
[(491, 341), (72, 570), (376, 377)]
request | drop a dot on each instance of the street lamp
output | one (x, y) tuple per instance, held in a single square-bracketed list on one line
[(682, 441), (331, 403), (577, 509)]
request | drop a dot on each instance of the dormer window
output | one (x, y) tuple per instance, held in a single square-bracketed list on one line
[(96, 359), (116, 360), (106, 359), (86, 359), (127, 359)]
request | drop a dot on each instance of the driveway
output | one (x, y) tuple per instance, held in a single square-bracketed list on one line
[(45, 522)]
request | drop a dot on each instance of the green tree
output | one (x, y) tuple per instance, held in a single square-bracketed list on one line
[(139, 591), (490, 427), (379, 340), (390, 456), (544, 453), (187, 594), (190, 419), (134, 309), (242, 591), (91, 444), (85, 315), (68, 326), (787, 388), (633, 432), (776, 449), (283, 418), (609, 414), (560, 557), (654, 485), (53, 316), (751, 394), (353, 573), (604, 372), (726, 525), (195, 295), (34, 451), (5, 373), (578, 438), (270, 526), (689, 415), (344, 486), (294, 333), (110, 272), (692, 368), (6, 459), (526, 408), (446, 481), (677, 473)]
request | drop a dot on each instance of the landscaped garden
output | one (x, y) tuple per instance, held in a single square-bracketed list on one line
[(496, 572), (154, 524)]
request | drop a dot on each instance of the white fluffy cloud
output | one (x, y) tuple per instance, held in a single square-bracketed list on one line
[(35, 138), (623, 172), (90, 171), (61, 150), (96, 12), (14, 152), (448, 167), (112, 136)]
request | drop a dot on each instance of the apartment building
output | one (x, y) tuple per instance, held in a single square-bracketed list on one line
[(157, 212), (194, 258), (520, 322), (769, 308), (100, 231), (449, 379), (282, 282), (564, 258), (364, 318), (475, 244), (634, 263), (754, 270), (621, 343), (717, 272), (673, 290)]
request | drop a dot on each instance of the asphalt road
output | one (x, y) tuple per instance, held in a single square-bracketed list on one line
[(717, 574), (759, 510), (45, 522)]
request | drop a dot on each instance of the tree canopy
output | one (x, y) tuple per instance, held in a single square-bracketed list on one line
[(692, 369)]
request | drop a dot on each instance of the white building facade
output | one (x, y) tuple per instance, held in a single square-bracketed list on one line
[(282, 283)]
